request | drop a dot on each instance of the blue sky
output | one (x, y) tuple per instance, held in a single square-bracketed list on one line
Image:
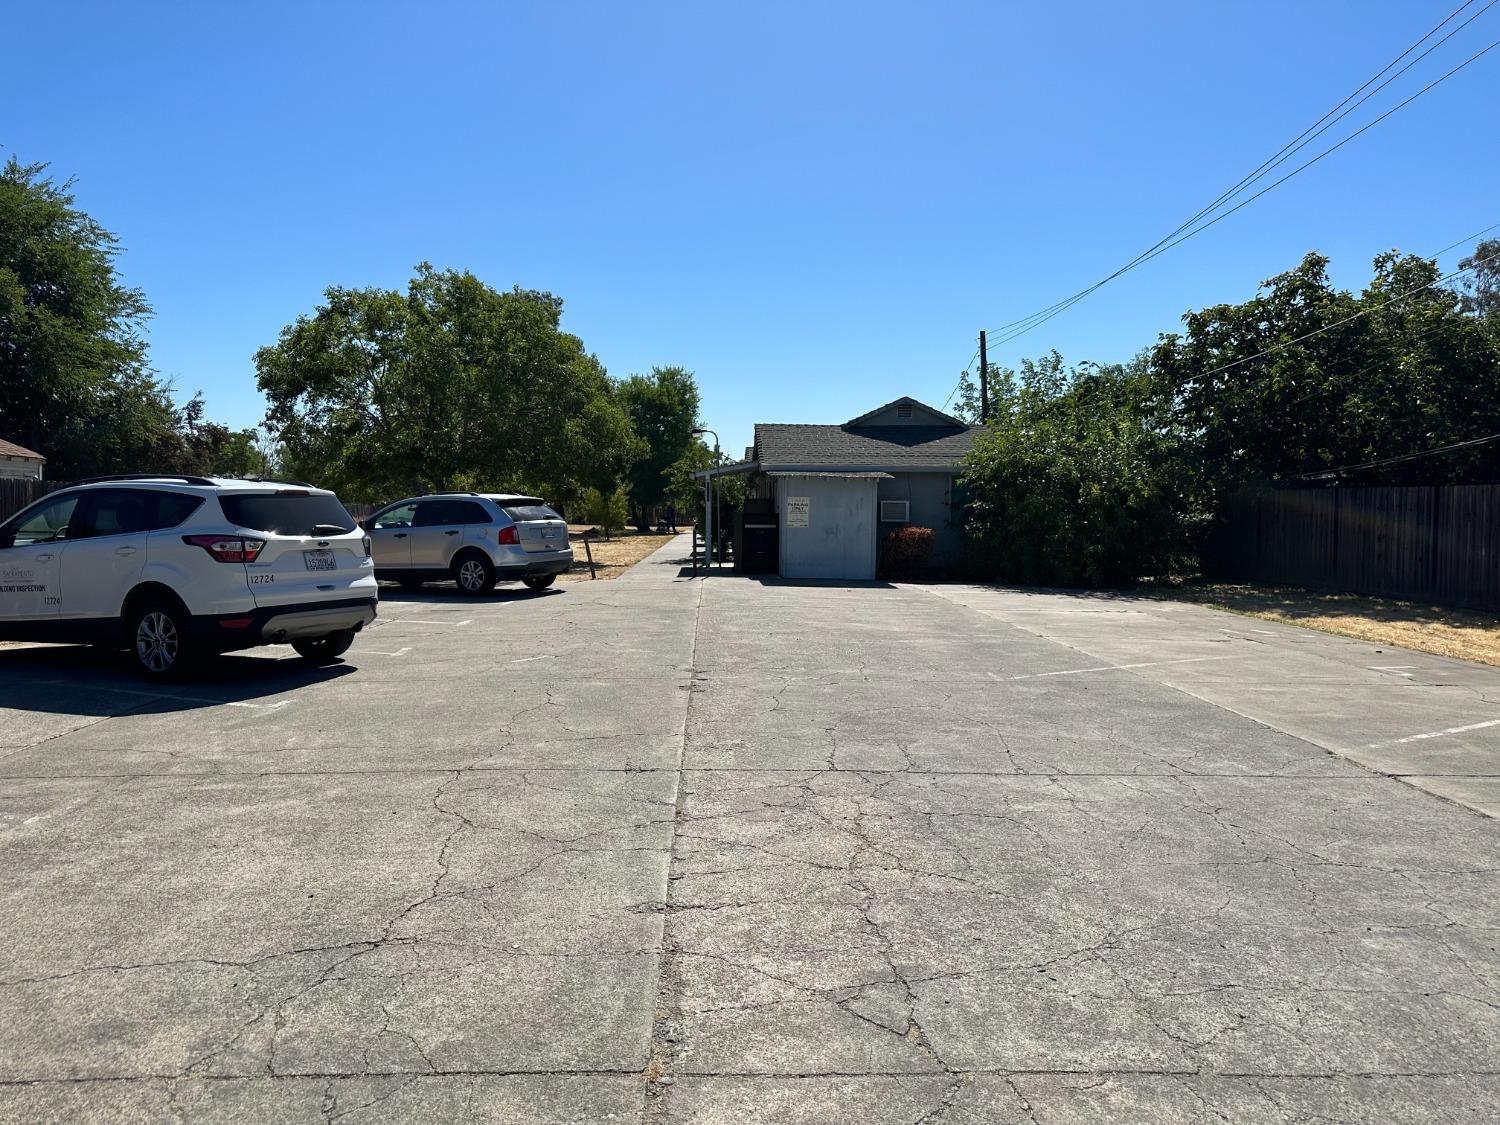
[(813, 206)]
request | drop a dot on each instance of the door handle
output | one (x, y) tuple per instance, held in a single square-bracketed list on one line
[(399, 535), (124, 550), (44, 558), (450, 533)]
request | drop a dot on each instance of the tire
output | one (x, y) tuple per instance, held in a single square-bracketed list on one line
[(157, 639), (539, 581), (474, 574), (325, 650)]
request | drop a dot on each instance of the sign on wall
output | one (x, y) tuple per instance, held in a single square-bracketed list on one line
[(797, 509)]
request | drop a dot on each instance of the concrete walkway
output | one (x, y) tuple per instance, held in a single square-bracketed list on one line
[(669, 849)]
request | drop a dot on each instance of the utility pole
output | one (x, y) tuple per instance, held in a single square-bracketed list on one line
[(984, 380)]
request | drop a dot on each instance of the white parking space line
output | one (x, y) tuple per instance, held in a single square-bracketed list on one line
[(1435, 734), (1108, 668), (529, 659), (377, 652), (1398, 669)]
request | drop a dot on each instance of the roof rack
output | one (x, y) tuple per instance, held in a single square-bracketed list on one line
[(185, 479), (278, 480)]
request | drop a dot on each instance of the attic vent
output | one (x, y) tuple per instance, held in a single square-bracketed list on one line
[(904, 410), (895, 511)]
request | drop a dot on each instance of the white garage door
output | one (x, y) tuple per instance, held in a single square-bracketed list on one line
[(827, 526)]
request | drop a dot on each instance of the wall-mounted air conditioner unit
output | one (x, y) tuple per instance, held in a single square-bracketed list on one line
[(895, 511)]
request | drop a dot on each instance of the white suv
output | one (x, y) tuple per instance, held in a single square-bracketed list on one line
[(473, 538), (172, 566)]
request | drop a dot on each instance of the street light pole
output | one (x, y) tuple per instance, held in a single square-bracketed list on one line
[(710, 496)]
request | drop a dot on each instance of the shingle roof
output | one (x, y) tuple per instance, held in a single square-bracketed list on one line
[(864, 447), (11, 449)]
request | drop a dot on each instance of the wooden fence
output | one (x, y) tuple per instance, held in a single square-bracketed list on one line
[(1438, 543), (16, 494)]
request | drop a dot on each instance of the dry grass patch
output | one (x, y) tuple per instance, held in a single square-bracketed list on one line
[(1461, 633), (612, 557)]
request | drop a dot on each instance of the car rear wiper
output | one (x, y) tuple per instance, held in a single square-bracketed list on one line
[(324, 529)]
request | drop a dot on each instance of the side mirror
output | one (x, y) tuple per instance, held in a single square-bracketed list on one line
[(367, 525), (7, 540)]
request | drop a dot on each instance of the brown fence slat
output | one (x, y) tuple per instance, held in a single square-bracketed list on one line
[(1437, 543), (15, 494)]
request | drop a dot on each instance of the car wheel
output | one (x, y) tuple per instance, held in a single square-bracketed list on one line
[(539, 581), (324, 650), (474, 575), (158, 636)]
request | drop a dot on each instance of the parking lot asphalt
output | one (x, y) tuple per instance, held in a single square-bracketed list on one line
[(675, 849)]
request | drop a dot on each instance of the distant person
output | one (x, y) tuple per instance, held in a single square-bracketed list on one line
[(672, 517)]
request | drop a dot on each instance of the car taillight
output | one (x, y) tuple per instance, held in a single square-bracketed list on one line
[(367, 546), (227, 548), (510, 535)]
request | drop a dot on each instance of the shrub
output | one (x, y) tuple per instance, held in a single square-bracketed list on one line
[(907, 552), (1073, 486), (607, 510)]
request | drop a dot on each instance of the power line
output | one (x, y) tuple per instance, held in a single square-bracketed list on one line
[(1020, 327), (1398, 460), (1280, 156), (960, 382), (1464, 241), (1347, 319)]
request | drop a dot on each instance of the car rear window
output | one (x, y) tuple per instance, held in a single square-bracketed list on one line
[(529, 513), (286, 513)]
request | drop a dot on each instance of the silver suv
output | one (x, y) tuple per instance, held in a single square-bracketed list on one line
[(172, 566), (472, 538)]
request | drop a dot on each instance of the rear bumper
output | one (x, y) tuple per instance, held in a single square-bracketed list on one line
[(272, 624), (516, 573)]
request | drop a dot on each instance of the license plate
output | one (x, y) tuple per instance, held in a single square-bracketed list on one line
[(551, 532), (319, 560)]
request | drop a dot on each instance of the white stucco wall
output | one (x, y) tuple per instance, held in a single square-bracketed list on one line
[(839, 539)]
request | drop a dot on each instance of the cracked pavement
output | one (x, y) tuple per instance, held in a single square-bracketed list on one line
[(669, 850)]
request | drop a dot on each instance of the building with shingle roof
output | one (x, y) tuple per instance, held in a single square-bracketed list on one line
[(836, 491), (16, 461)]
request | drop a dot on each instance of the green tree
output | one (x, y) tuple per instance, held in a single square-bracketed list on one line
[(451, 384), (1480, 288), (663, 408), (1304, 377), (1073, 486), (686, 493), (74, 381), (216, 450)]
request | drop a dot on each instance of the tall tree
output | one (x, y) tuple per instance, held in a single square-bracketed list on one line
[(1304, 377), (216, 450), (74, 381), (1480, 288), (451, 384), (663, 407)]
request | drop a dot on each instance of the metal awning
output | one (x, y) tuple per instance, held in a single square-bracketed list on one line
[(739, 468)]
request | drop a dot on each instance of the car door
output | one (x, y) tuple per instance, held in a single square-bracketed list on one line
[(439, 531), (31, 547), (390, 537), (106, 552)]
